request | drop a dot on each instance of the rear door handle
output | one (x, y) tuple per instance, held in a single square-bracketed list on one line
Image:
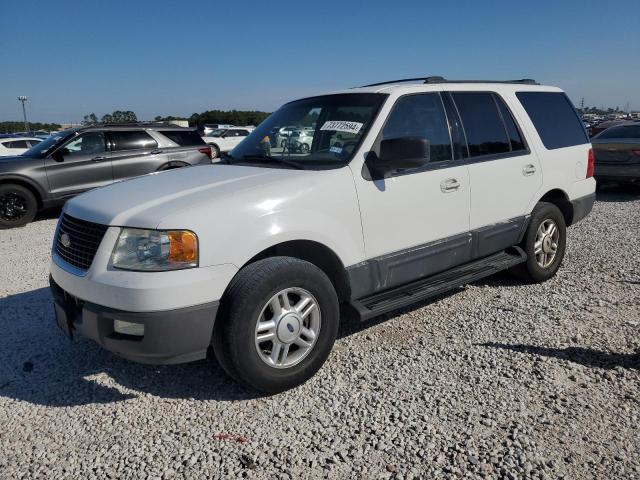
[(99, 158), (449, 185), (528, 170)]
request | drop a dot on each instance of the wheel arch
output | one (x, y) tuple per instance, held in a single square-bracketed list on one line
[(316, 253), (560, 199), (23, 182)]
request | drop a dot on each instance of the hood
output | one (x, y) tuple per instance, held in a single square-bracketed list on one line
[(144, 202)]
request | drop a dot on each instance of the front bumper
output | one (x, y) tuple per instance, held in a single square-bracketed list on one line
[(172, 336), (622, 172)]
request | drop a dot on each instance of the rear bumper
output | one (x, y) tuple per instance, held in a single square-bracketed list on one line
[(582, 207), (172, 336), (622, 172)]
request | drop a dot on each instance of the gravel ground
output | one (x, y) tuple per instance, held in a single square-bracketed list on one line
[(496, 380)]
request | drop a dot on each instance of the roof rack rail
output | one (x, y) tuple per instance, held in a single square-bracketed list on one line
[(437, 79), (134, 124)]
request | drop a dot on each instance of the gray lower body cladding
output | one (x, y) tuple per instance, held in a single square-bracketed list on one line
[(174, 336)]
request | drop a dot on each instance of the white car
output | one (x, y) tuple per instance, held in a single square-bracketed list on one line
[(226, 139), (434, 185), (17, 145), (210, 127)]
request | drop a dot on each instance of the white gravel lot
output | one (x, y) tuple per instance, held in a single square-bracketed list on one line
[(496, 380)]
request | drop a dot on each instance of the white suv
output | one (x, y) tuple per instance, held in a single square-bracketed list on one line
[(439, 184)]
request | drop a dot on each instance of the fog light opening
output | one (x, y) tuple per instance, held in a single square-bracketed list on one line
[(128, 328)]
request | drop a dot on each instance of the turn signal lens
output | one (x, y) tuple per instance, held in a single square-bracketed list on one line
[(183, 246)]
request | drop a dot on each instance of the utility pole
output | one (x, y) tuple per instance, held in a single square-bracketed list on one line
[(581, 103), (23, 99)]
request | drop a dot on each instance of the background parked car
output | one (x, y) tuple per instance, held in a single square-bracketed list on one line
[(602, 126), (210, 127), (17, 145), (80, 159), (617, 153), (225, 139)]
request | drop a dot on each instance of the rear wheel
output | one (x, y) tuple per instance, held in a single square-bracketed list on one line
[(544, 242), (18, 206), (278, 323)]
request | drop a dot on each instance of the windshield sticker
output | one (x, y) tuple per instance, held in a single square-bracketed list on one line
[(337, 150), (342, 126)]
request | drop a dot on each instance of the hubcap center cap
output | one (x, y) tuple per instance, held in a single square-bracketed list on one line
[(289, 328), (546, 244)]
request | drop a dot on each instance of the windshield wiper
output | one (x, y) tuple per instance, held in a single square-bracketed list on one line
[(271, 159)]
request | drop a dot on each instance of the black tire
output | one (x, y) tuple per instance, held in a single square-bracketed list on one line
[(18, 205), (234, 335), (530, 271), (215, 152)]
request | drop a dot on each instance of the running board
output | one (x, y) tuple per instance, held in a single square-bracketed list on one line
[(404, 295)]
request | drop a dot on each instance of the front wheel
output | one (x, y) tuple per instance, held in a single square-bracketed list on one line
[(18, 206), (277, 325), (544, 242)]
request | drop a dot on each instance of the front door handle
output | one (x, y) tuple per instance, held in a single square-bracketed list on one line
[(155, 152), (528, 170), (449, 185), (99, 158)]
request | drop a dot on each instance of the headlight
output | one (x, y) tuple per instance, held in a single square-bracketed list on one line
[(155, 250)]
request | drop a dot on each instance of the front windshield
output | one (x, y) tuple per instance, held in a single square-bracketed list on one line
[(48, 144), (317, 132)]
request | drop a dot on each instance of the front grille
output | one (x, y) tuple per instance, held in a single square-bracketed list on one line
[(82, 239)]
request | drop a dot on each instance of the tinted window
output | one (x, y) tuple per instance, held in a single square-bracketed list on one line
[(86, 144), (34, 142), (632, 131), (486, 134), (184, 138), (555, 119), (421, 116), (512, 130), (132, 140), (17, 144)]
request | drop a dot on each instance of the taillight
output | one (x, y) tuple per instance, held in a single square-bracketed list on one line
[(206, 151), (636, 153), (590, 164)]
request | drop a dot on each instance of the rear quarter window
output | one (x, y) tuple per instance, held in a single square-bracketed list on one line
[(555, 119), (184, 138)]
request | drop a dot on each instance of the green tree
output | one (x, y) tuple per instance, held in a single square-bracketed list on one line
[(90, 119)]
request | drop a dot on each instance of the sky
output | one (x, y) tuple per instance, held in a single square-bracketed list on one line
[(71, 58)]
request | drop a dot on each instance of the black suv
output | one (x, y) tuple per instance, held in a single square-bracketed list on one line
[(78, 159)]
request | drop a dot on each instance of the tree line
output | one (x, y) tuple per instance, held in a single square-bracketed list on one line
[(13, 127), (233, 117), (119, 116)]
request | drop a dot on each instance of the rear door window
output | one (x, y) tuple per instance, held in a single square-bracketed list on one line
[(422, 116), (17, 144), (131, 140), (555, 119), (482, 123), (515, 138), (184, 138)]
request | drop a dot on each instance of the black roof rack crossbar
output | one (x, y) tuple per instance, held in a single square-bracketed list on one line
[(437, 79)]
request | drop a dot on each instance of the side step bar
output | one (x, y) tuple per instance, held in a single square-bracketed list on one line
[(404, 295)]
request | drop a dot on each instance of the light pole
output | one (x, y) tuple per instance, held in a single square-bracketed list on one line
[(23, 99)]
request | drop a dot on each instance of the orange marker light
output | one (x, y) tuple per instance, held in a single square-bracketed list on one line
[(183, 246)]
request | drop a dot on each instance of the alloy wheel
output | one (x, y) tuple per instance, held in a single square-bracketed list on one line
[(545, 247), (287, 328)]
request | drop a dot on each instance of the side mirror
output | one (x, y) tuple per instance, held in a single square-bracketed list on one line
[(58, 155), (400, 154)]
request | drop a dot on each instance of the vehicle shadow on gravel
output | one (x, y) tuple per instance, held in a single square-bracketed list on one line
[(618, 193), (583, 356), (40, 366)]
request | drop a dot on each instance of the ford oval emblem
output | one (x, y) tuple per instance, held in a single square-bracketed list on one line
[(65, 240)]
